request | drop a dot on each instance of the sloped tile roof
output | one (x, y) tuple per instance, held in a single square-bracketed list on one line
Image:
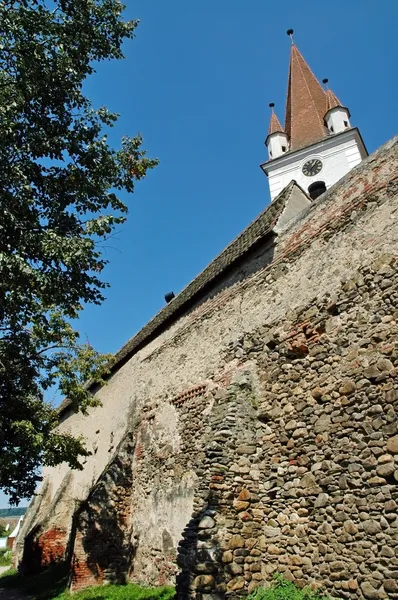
[(305, 105), (332, 101), (274, 125)]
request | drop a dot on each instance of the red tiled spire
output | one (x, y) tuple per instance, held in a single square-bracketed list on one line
[(331, 101), (274, 124), (305, 105)]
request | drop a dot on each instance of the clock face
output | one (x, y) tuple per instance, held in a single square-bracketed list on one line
[(312, 167)]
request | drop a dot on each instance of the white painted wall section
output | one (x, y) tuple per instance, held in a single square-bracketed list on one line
[(338, 154)]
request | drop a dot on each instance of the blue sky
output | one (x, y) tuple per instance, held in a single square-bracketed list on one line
[(196, 82)]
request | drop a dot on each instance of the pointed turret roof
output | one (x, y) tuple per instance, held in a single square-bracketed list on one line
[(305, 105), (332, 101), (274, 124)]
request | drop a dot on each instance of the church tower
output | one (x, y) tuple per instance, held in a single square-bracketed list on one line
[(317, 146)]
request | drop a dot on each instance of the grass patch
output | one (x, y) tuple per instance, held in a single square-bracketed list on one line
[(6, 576), (45, 586), (51, 585), (282, 589), (121, 592), (5, 557)]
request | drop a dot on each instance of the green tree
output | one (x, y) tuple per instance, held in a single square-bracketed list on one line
[(59, 186), (3, 532)]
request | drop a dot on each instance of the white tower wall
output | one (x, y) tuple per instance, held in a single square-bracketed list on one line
[(337, 119), (277, 144), (338, 154)]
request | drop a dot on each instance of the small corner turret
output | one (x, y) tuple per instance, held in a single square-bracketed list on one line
[(276, 141), (337, 116)]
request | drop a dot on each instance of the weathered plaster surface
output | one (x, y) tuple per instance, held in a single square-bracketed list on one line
[(160, 465)]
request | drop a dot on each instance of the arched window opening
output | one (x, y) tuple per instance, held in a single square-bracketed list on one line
[(316, 189)]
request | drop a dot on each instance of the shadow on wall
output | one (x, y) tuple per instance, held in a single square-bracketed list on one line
[(101, 534), (199, 554), (33, 553), (38, 546), (43, 549)]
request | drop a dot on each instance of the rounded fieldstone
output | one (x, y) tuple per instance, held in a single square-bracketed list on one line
[(204, 581), (376, 481), (368, 590), (371, 527), (384, 364), (385, 470), (236, 541), (352, 585), (239, 505), (245, 516), (227, 557), (206, 523), (307, 481), (236, 584), (390, 585), (385, 458), (271, 531), (317, 393), (235, 569), (392, 444), (322, 500), (347, 387), (350, 527), (387, 551), (244, 495)]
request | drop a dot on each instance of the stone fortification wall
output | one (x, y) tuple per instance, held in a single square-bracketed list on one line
[(259, 432)]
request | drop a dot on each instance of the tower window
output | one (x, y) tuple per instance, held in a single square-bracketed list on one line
[(316, 189), (346, 123), (283, 148), (331, 129)]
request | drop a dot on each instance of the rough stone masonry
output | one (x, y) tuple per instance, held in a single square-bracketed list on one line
[(251, 427)]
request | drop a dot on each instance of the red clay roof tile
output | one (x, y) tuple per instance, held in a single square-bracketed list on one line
[(274, 124), (331, 101), (305, 105)]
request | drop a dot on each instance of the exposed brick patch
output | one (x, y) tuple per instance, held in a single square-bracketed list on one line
[(299, 340), (52, 544), (102, 546), (198, 390), (83, 573), (44, 549)]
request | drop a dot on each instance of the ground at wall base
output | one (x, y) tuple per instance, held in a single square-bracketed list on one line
[(51, 584)]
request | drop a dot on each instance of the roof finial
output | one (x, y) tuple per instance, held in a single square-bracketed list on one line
[(325, 82), (290, 34), (271, 105)]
